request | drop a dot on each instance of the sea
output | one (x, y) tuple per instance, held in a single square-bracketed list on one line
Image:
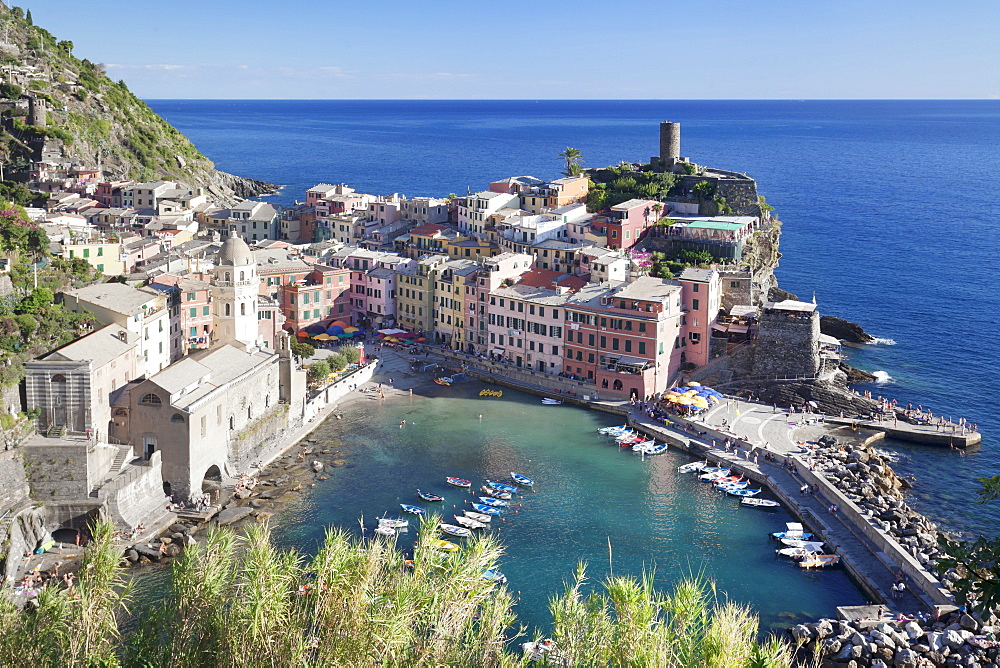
[(889, 220)]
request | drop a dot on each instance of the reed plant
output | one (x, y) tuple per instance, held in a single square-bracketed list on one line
[(241, 601)]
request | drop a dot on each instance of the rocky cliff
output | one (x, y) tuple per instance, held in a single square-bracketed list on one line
[(57, 106)]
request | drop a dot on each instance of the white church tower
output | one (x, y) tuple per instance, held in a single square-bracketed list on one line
[(234, 296)]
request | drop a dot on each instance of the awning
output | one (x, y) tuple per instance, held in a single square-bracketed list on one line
[(390, 332), (719, 328), (739, 329), (498, 351)]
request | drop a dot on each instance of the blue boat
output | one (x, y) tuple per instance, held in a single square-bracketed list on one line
[(794, 531), (413, 510), (743, 492), (427, 496), (496, 503), (486, 510), (502, 487), (496, 493), (495, 576), (522, 479)]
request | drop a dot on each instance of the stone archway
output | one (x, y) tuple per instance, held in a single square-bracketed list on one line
[(212, 481)]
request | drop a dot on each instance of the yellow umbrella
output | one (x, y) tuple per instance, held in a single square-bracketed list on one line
[(684, 401), (694, 384), (322, 337)]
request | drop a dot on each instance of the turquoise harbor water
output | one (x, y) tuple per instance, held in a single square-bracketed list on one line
[(586, 492)]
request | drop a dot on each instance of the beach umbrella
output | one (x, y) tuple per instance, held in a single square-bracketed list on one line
[(335, 330), (421, 340), (316, 328), (322, 337), (344, 335), (303, 334), (338, 323), (694, 384), (350, 330)]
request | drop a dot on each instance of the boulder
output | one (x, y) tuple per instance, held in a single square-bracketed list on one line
[(272, 493), (953, 639), (844, 330), (801, 633), (166, 540), (177, 527), (913, 630), (132, 556), (173, 550), (905, 658), (230, 515), (968, 622)]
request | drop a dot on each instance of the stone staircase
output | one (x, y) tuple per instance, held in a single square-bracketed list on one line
[(123, 455)]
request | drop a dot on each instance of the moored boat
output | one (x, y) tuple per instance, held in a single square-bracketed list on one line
[(501, 486), (813, 545), (468, 522), (713, 475), (608, 430), (551, 402), (444, 546), (760, 503), (486, 510), (413, 510), (794, 531), (393, 522), (496, 493), (383, 530), (427, 496), (745, 493), (725, 487), (819, 561), (494, 575), (444, 380), (479, 517), (796, 552), (453, 530), (496, 503), (522, 480), (692, 467), (458, 482)]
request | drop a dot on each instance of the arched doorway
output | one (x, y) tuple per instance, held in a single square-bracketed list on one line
[(617, 385), (212, 482)]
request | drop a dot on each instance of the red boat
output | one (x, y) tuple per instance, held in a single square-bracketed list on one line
[(634, 441)]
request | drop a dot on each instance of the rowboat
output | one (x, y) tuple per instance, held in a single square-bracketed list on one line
[(692, 467), (713, 475), (444, 546), (727, 479), (631, 443), (480, 517), (496, 503), (458, 482), (760, 503), (454, 530), (741, 484), (792, 530), (383, 530), (608, 430), (486, 510), (427, 496), (651, 449), (502, 487), (393, 522), (522, 480), (413, 510), (444, 380), (745, 493), (468, 522), (495, 493), (623, 435), (819, 561)]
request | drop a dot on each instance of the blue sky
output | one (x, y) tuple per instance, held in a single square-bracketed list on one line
[(746, 49)]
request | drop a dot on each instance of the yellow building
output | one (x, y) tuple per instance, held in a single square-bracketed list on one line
[(105, 256)]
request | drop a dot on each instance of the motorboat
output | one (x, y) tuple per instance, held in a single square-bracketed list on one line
[(713, 475), (725, 487), (458, 482), (496, 503), (625, 435), (796, 552), (814, 545), (479, 517), (650, 449), (496, 493), (631, 443), (608, 430), (502, 487), (792, 530), (819, 561), (383, 530), (727, 479), (413, 510), (393, 522), (760, 503), (551, 402), (692, 467), (486, 510), (522, 480), (468, 522), (453, 530), (427, 496), (745, 493)]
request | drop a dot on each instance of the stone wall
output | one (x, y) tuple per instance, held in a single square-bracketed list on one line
[(138, 496), (66, 470), (787, 344), (740, 192), (25, 532), (13, 482)]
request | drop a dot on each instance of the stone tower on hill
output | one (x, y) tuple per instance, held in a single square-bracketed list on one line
[(235, 287), (670, 147)]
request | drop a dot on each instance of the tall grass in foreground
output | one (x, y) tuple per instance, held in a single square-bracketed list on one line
[(239, 601)]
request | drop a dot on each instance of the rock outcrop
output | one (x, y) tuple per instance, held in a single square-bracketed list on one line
[(829, 397), (844, 330)]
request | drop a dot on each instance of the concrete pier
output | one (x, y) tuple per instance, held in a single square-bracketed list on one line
[(918, 433)]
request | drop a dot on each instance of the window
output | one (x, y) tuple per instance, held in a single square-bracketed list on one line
[(100, 267), (228, 310), (194, 332), (191, 296), (614, 343), (194, 312), (628, 345), (100, 251), (177, 417), (642, 347), (243, 309), (695, 287), (694, 304), (205, 310), (58, 378), (150, 400), (604, 342), (204, 425)]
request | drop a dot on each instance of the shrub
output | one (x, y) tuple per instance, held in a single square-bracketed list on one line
[(11, 91), (303, 350), (350, 354), (318, 370)]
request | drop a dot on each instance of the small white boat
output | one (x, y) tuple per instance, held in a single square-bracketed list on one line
[(760, 503), (540, 651), (813, 545), (383, 530), (453, 530), (551, 402), (796, 552), (608, 430), (468, 522), (714, 475), (479, 517), (393, 522), (793, 530), (650, 448), (692, 467)]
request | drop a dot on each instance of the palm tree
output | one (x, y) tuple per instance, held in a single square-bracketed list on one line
[(573, 158)]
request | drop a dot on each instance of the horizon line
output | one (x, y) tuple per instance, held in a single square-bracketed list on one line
[(569, 99)]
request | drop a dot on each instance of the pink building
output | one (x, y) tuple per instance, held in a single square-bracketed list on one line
[(626, 224), (503, 268), (701, 296)]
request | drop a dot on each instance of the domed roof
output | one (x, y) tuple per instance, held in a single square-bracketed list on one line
[(235, 253)]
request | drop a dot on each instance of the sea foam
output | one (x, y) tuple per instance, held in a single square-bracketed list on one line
[(882, 377), (879, 341)]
